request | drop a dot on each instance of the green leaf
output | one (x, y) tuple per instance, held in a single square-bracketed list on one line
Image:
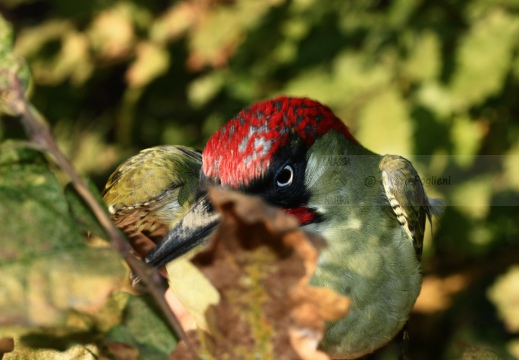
[(351, 79), (424, 61), (6, 38), (143, 328), (82, 213), (389, 112), (465, 135), (484, 58), (34, 214), (8, 61), (45, 265)]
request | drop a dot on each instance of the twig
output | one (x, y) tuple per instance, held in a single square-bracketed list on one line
[(38, 131)]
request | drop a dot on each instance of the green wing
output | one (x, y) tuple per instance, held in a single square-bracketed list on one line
[(148, 175), (150, 191), (407, 197)]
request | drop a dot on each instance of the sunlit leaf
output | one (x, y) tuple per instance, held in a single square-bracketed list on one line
[(46, 267), (179, 18), (504, 294), (151, 62), (350, 79), (424, 61), (484, 57), (217, 34), (77, 352), (389, 112), (473, 198), (52, 65), (112, 33), (466, 135), (9, 62)]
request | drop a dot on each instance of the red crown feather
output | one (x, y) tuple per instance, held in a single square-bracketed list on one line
[(242, 149)]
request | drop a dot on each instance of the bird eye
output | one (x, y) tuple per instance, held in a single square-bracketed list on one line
[(285, 176)]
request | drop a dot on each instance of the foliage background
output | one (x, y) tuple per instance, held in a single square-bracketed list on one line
[(435, 81)]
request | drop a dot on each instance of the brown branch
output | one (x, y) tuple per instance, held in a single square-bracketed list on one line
[(38, 131)]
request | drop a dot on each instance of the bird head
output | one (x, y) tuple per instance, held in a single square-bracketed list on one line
[(261, 151)]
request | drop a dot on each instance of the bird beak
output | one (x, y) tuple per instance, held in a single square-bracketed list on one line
[(192, 230)]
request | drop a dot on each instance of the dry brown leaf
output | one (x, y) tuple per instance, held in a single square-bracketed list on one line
[(120, 351), (437, 293), (261, 263), (6, 345)]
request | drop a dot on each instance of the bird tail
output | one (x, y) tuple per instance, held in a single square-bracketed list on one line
[(436, 207)]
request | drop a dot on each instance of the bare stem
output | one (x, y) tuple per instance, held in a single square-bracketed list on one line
[(38, 130)]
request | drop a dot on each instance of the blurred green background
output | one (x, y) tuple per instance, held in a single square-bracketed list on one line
[(435, 81)]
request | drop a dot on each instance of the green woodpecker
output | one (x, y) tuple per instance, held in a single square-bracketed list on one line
[(296, 154), (149, 192)]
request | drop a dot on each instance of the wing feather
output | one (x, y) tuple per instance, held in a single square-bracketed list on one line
[(407, 197)]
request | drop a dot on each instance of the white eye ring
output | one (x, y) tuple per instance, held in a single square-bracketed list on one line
[(287, 176)]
